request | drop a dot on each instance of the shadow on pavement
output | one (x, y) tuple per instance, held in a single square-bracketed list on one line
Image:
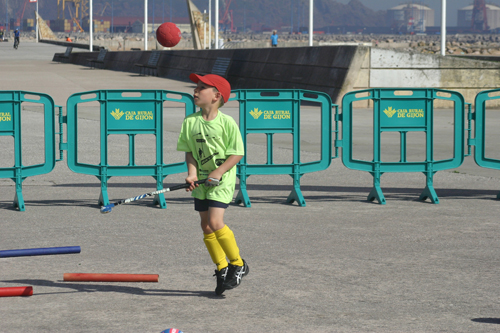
[(107, 287), (487, 320), (336, 193), (81, 203)]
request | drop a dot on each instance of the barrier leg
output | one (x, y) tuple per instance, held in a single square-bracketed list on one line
[(19, 200), (376, 192), (103, 197), (296, 194), (159, 199), (429, 191), (242, 196)]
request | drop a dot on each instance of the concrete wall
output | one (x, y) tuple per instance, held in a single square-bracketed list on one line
[(335, 70), (312, 68), (388, 69)]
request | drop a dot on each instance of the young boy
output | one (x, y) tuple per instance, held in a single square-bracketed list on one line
[(213, 146)]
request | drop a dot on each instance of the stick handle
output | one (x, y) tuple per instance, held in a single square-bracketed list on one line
[(150, 194), (107, 208), (186, 185)]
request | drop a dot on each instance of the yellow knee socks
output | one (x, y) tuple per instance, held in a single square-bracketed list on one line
[(216, 252), (225, 238)]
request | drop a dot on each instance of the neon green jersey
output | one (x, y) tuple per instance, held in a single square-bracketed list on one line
[(211, 143)]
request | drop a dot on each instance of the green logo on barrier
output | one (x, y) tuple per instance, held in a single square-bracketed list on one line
[(117, 114), (120, 118), (139, 115), (271, 114), (256, 113), (5, 116), (6, 123), (404, 113), (389, 112), (132, 115), (277, 114)]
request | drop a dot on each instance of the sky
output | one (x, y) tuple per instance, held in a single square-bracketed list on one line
[(452, 7)]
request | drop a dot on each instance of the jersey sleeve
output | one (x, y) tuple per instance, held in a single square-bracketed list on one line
[(234, 140), (183, 141)]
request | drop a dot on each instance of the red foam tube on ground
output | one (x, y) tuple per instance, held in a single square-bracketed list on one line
[(16, 291), (89, 277)]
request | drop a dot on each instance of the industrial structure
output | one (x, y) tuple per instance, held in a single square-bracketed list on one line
[(18, 20), (226, 21), (77, 11), (410, 17), (81, 8), (479, 17)]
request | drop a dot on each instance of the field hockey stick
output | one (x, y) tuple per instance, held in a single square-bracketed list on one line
[(107, 208)]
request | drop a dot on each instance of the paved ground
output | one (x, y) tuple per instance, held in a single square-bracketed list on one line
[(340, 264)]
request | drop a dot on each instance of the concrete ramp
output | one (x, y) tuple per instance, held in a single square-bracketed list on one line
[(323, 68), (314, 68), (388, 69), (334, 70)]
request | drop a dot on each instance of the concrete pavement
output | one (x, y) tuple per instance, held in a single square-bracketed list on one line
[(340, 264)]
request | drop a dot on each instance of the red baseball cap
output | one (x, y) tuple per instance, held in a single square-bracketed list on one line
[(216, 81)]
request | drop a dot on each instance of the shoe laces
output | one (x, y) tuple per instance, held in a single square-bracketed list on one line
[(221, 274), (231, 269)]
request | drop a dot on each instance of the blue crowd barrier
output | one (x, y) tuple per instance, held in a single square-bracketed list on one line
[(403, 110), (279, 111), (268, 112), (480, 118), (126, 112), (10, 125)]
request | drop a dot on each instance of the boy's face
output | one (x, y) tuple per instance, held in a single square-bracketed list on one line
[(205, 95)]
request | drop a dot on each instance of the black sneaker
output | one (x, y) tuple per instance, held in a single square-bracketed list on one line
[(221, 277), (234, 275)]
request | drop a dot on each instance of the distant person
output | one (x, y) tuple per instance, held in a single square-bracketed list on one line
[(1, 34), (16, 38), (274, 39)]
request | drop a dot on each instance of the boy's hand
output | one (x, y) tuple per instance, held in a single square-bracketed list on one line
[(216, 174), (212, 182), (191, 180)]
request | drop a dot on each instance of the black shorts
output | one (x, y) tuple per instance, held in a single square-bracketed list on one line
[(202, 205)]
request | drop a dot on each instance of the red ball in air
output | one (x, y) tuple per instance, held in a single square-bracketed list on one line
[(168, 34)]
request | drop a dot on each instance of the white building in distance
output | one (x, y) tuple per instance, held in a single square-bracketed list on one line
[(464, 17), (410, 17)]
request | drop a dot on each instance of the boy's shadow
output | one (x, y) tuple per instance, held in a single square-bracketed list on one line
[(98, 287), (487, 320)]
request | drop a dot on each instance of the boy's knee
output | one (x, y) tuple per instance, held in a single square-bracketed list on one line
[(206, 229), (215, 223)]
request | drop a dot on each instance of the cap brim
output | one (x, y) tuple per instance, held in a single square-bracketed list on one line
[(207, 80), (194, 77)]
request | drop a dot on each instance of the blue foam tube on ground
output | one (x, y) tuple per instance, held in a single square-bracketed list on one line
[(40, 251)]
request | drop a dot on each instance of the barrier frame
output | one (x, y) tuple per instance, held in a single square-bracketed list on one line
[(19, 172), (479, 117), (252, 99), (381, 97), (109, 99)]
